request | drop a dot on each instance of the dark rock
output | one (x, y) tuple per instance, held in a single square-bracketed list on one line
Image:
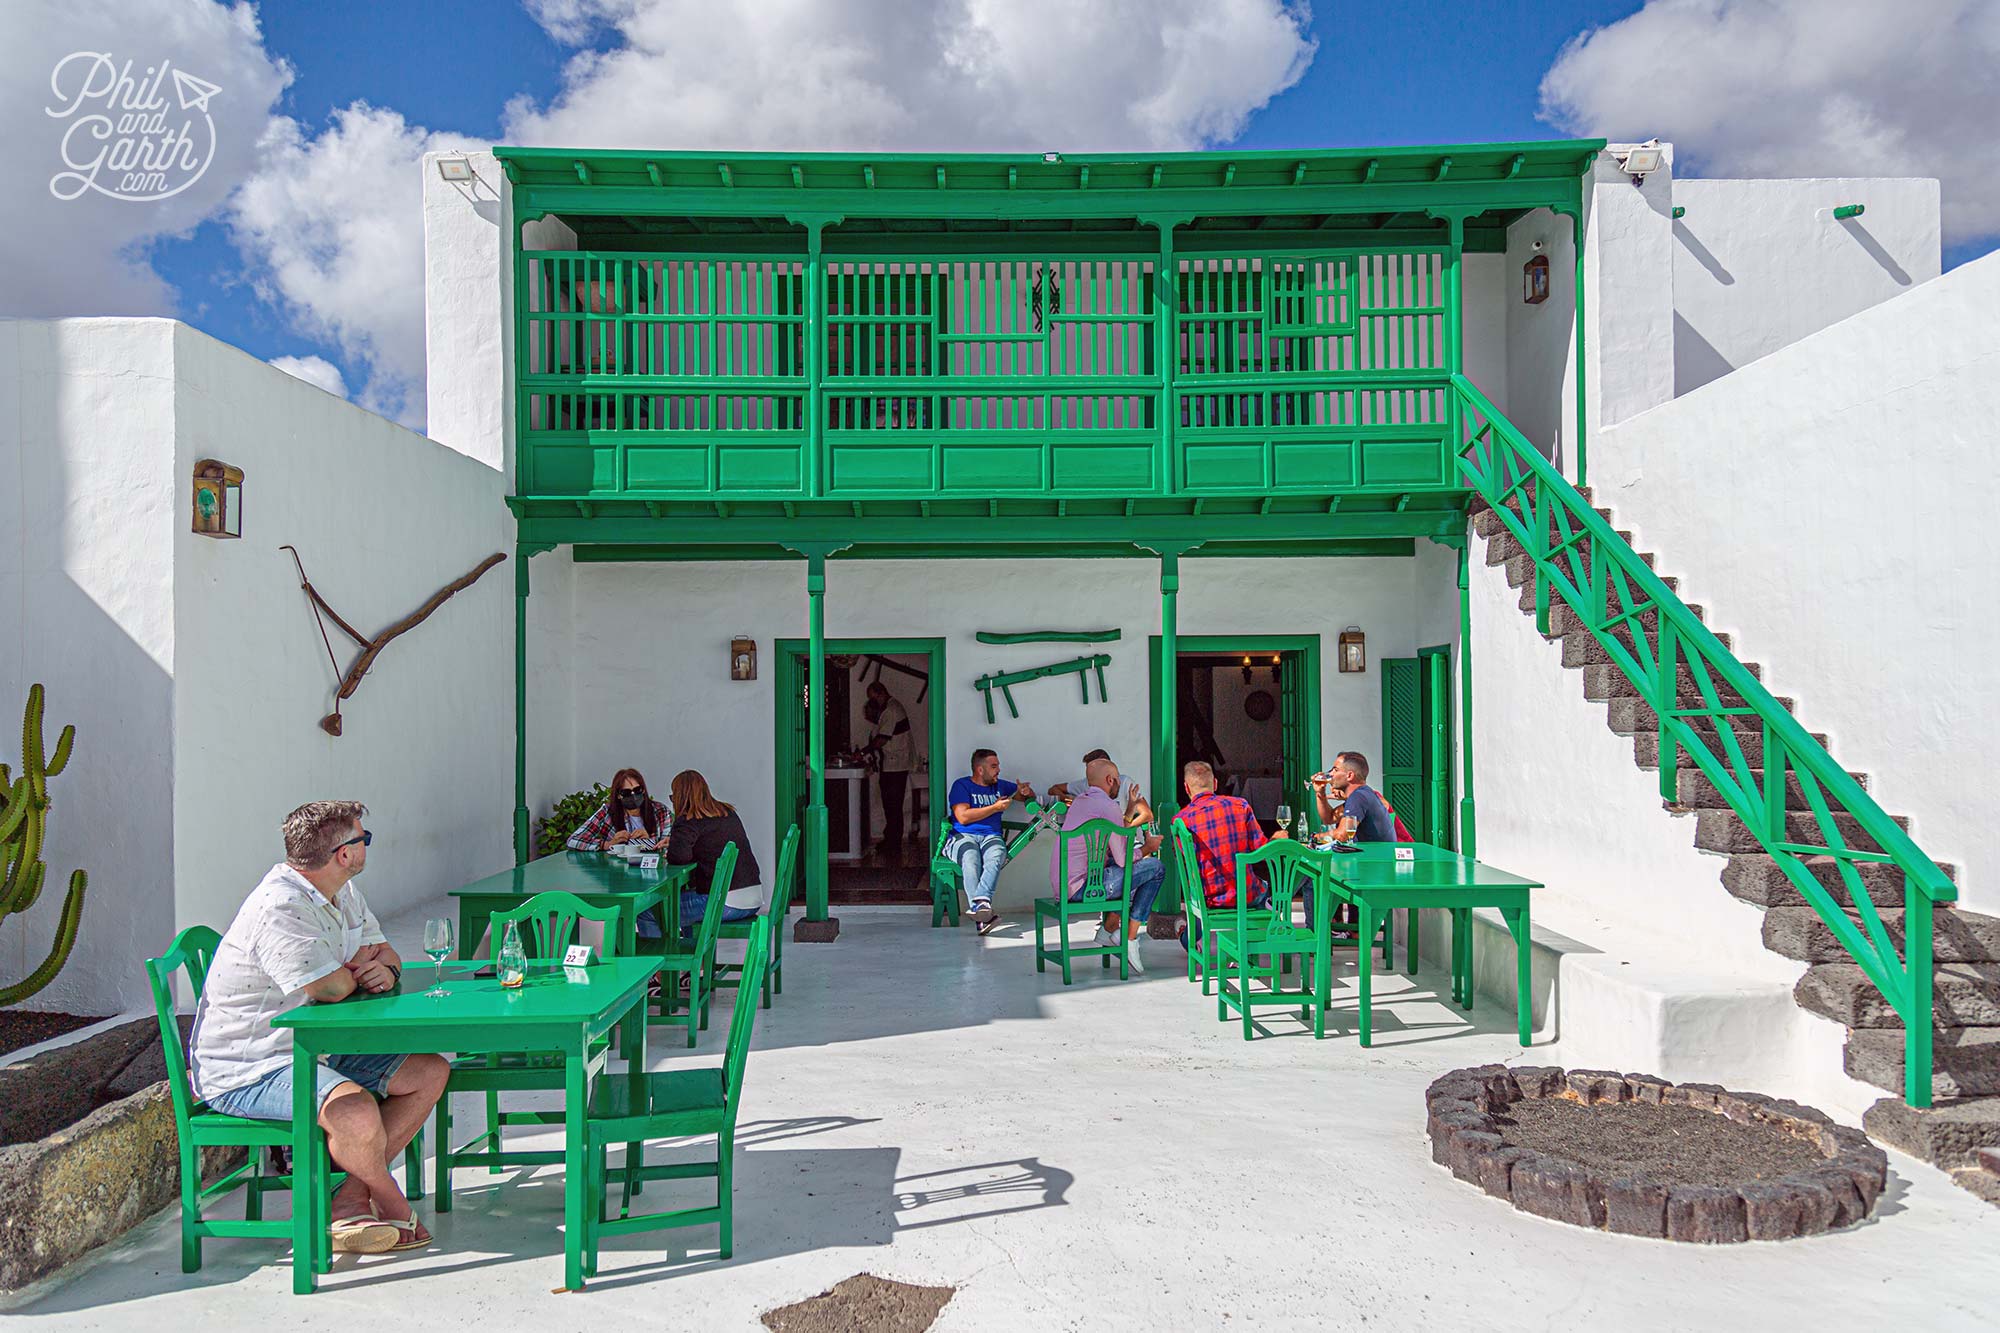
[(1635, 1206), (1706, 1215), (1870, 1179), (1646, 1088), (1772, 1211), (1599, 1085), (1539, 1080), (1947, 1134), (1819, 1210), (1795, 1116), (1701, 1096), (1468, 1146), (1846, 1194), (1743, 1107), (1448, 1106), (1559, 1191), (1496, 1171), (1446, 1127)]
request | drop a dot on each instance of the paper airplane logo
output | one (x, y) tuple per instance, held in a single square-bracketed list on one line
[(194, 93)]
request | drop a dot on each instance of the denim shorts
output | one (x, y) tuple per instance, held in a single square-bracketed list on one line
[(270, 1097)]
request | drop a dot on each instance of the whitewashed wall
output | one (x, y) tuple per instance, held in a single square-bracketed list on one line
[(383, 518), (86, 601), (1832, 504), (651, 655), (1759, 264)]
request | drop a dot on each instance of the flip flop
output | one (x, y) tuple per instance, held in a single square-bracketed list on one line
[(409, 1228), (364, 1233)]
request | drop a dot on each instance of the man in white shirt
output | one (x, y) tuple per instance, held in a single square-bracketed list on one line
[(893, 742), (305, 935)]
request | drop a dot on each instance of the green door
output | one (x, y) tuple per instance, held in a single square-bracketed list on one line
[(1437, 821), (1292, 714)]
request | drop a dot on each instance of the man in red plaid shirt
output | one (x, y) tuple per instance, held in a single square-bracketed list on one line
[(1223, 828)]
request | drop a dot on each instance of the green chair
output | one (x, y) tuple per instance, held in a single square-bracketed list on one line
[(730, 975), (697, 961), (783, 890), (945, 877), (1269, 933), (549, 922), (196, 1127), (678, 1104), (1059, 910), (1200, 929)]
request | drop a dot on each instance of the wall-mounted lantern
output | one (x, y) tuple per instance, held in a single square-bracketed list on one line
[(1353, 649), (218, 499), (1535, 280), (742, 658)]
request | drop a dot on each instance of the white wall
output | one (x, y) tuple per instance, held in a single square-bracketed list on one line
[(1759, 264), (465, 329), (672, 662), (1832, 505), (1541, 339), (86, 599), (383, 518), (1629, 293)]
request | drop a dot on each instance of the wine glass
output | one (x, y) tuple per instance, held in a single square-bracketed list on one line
[(1284, 816), (438, 941)]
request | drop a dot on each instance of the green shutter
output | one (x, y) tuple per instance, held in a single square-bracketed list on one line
[(1399, 774), (1436, 825)]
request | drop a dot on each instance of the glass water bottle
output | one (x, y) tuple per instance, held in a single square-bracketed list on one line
[(513, 962)]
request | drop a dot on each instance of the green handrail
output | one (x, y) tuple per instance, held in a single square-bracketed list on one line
[(1580, 556)]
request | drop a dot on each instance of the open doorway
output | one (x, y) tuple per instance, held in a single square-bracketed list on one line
[(1249, 705), (883, 717)]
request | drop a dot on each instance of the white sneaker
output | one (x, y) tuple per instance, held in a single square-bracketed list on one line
[(1132, 954), (1103, 939)]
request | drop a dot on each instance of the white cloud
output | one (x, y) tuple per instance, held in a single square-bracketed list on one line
[(86, 255), (315, 370), (332, 226), (1802, 88), (915, 74)]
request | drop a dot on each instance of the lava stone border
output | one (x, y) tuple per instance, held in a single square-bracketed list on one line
[(1465, 1138)]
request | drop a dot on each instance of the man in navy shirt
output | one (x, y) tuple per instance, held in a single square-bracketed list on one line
[(976, 804), (1364, 817)]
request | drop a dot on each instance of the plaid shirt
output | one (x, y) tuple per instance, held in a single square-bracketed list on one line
[(597, 829), (1223, 827)]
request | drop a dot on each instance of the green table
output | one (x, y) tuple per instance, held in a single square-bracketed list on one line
[(598, 879), (1376, 882), (559, 1009)]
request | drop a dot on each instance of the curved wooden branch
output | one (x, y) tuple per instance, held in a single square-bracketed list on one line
[(352, 680)]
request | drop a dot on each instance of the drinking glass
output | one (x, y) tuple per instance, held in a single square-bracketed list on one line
[(438, 941), (1284, 816)]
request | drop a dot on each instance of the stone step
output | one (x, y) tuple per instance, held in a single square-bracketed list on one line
[(1581, 648), (1625, 715), (1956, 937), (1963, 995), (1698, 792), (1722, 831), (1520, 569), (1978, 1181), (1563, 619), (1965, 1062), (1605, 681), (1989, 1160), (1755, 878), (1750, 739), (1948, 1134)]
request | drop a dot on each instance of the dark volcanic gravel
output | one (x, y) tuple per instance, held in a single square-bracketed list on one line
[(1678, 1145), (20, 1028)]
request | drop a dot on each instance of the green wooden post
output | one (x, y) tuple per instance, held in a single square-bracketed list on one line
[(1917, 909), (1166, 330), (521, 845), (1468, 836), (816, 846), (1165, 802)]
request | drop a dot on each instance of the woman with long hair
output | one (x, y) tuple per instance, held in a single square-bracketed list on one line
[(702, 828), (630, 815)]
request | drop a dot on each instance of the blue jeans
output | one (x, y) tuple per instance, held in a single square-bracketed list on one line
[(1148, 874), (979, 857), (693, 904), (270, 1097)]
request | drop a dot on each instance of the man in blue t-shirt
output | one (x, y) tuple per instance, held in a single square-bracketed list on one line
[(1364, 816), (976, 804)]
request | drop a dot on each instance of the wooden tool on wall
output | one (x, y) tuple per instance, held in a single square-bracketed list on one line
[(372, 648)]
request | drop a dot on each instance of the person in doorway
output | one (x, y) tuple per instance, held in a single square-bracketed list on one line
[(977, 842), (1099, 800), (705, 826), (894, 748), (305, 936), (1363, 814), (629, 815), (1223, 828), (1137, 810)]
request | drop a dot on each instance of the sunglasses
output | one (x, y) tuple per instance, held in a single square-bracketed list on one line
[(364, 839), (631, 791)]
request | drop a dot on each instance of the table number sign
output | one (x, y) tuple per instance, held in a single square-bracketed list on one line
[(650, 861), (577, 955), (1404, 852)]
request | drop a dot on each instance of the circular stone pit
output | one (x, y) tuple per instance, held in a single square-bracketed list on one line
[(1687, 1162)]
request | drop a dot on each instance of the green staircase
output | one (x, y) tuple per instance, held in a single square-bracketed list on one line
[(1762, 785)]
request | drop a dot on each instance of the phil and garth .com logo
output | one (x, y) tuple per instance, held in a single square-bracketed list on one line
[(125, 137)]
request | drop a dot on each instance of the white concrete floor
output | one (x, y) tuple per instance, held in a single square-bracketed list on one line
[(922, 1105)]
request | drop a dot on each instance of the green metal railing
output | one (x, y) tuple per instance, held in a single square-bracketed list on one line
[(1579, 556)]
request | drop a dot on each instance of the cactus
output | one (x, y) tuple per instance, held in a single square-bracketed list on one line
[(23, 825)]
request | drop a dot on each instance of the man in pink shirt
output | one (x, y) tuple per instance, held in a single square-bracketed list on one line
[(1097, 799)]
